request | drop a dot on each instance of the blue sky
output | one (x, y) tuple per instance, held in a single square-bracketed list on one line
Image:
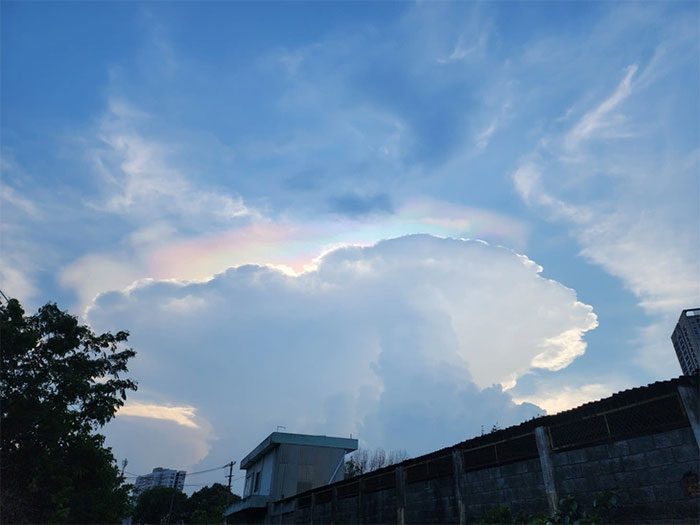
[(363, 218)]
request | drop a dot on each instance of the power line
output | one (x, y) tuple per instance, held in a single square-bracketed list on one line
[(227, 465), (207, 484), (208, 470)]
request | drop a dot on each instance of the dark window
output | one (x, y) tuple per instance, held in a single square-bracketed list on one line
[(257, 482)]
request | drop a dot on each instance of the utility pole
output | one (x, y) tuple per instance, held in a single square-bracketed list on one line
[(230, 476)]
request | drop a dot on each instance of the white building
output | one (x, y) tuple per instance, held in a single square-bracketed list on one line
[(160, 477), (686, 340)]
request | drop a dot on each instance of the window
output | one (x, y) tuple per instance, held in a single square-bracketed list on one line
[(256, 483), (247, 489)]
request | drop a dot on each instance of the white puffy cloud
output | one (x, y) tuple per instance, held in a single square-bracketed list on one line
[(402, 343)]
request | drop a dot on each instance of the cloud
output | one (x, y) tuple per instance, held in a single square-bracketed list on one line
[(564, 397), (598, 121), (182, 415), (148, 442), (355, 205), (19, 251), (461, 50), (10, 197), (403, 342), (627, 197), (16, 283), (95, 273), (143, 183), (158, 251)]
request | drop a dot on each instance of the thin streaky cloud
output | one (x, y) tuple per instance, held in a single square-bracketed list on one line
[(182, 415)]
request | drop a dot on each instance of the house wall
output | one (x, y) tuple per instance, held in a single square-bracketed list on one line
[(301, 467), (265, 468)]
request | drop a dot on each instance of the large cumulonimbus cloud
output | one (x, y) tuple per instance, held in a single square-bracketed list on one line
[(407, 343)]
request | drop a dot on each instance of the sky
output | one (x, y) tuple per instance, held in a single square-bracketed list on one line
[(405, 222)]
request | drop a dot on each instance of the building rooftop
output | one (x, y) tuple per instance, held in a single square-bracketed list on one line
[(279, 438)]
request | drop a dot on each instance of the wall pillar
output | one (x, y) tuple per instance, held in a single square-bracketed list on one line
[(547, 468), (459, 489), (400, 494), (689, 396)]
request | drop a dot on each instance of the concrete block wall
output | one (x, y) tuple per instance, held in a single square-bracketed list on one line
[(518, 486), (644, 468), (431, 501), (379, 506), (645, 472), (346, 510)]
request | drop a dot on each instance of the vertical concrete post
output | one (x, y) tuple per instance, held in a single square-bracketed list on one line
[(458, 474), (400, 494), (547, 468), (689, 396)]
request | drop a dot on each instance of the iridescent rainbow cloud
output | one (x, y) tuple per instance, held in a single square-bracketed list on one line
[(295, 247)]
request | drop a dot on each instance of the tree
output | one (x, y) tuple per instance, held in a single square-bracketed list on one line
[(363, 460), (207, 505), (60, 383), (161, 505)]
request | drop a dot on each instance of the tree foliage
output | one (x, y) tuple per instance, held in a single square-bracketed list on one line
[(161, 505), (169, 505), (208, 504), (60, 383)]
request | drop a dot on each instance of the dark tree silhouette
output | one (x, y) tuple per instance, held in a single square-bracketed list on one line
[(161, 505), (60, 383), (207, 504)]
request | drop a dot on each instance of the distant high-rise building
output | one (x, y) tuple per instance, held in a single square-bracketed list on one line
[(686, 340), (160, 477)]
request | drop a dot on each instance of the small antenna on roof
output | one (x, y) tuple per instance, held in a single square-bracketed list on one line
[(280, 426)]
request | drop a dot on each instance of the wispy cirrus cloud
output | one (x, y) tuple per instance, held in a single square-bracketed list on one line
[(633, 229), (19, 251), (141, 180), (601, 122)]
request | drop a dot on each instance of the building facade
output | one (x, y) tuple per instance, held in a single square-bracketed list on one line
[(160, 477), (686, 340), (286, 464)]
